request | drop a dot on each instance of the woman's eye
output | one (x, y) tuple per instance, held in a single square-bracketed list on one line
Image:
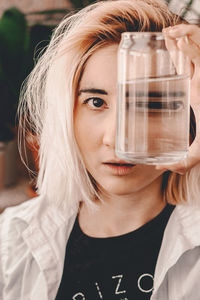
[(95, 102)]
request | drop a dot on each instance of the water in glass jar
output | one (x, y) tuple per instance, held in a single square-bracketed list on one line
[(153, 120)]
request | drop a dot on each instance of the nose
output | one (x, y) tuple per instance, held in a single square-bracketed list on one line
[(110, 130)]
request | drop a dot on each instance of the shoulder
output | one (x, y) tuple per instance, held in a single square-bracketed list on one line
[(30, 225), (187, 214), (184, 222), (36, 213), (180, 244), (15, 255), (15, 219), (32, 238), (28, 213), (25, 210)]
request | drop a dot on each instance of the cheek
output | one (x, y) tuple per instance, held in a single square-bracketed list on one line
[(150, 172), (86, 133)]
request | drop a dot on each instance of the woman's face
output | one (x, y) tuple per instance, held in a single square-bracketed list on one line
[(95, 125)]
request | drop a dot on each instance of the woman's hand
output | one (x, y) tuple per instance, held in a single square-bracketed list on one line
[(186, 38)]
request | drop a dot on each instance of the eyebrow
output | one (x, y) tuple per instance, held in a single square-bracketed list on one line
[(92, 91)]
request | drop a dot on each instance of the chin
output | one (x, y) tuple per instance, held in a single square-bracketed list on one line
[(119, 189)]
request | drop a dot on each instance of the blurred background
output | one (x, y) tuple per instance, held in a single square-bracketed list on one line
[(25, 29)]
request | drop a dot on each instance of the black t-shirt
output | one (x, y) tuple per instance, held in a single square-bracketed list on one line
[(114, 268)]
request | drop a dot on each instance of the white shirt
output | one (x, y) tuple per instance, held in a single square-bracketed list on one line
[(33, 238)]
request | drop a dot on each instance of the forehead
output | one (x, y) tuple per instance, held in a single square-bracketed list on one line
[(101, 69)]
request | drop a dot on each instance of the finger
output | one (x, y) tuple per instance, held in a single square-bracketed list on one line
[(170, 43), (188, 39), (179, 168), (183, 166), (190, 49), (191, 30), (173, 46)]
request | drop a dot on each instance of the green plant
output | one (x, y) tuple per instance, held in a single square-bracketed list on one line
[(17, 46)]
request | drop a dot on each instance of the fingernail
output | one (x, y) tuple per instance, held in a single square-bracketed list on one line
[(186, 40), (166, 28)]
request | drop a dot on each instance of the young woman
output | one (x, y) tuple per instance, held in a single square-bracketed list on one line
[(101, 228)]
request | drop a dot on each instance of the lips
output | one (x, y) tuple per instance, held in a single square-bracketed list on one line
[(119, 168), (120, 164)]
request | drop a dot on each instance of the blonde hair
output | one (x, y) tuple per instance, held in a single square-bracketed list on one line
[(48, 95)]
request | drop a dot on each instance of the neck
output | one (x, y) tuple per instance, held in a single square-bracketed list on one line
[(119, 214)]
